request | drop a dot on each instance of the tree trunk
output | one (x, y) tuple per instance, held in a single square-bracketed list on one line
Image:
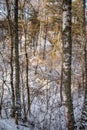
[(23, 94), (17, 78), (27, 84), (11, 59), (1, 98), (84, 110), (67, 53), (61, 84)]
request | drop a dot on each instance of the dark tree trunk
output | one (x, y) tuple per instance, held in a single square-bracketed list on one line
[(67, 53), (17, 76), (27, 82), (61, 84)]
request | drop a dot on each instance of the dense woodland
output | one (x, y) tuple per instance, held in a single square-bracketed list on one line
[(43, 64)]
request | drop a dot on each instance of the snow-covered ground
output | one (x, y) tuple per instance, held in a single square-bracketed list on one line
[(59, 123), (9, 124)]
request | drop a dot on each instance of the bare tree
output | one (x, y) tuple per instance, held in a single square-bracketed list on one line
[(27, 71), (84, 110), (67, 53), (17, 76)]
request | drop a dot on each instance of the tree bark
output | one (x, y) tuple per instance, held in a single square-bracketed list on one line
[(17, 76), (84, 110), (67, 53)]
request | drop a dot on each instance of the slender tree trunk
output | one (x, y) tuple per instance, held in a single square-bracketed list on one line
[(17, 76), (84, 110), (23, 96), (67, 53), (61, 84), (11, 59), (27, 84), (1, 98), (45, 35)]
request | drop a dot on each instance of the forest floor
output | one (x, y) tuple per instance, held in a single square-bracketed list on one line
[(9, 124)]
